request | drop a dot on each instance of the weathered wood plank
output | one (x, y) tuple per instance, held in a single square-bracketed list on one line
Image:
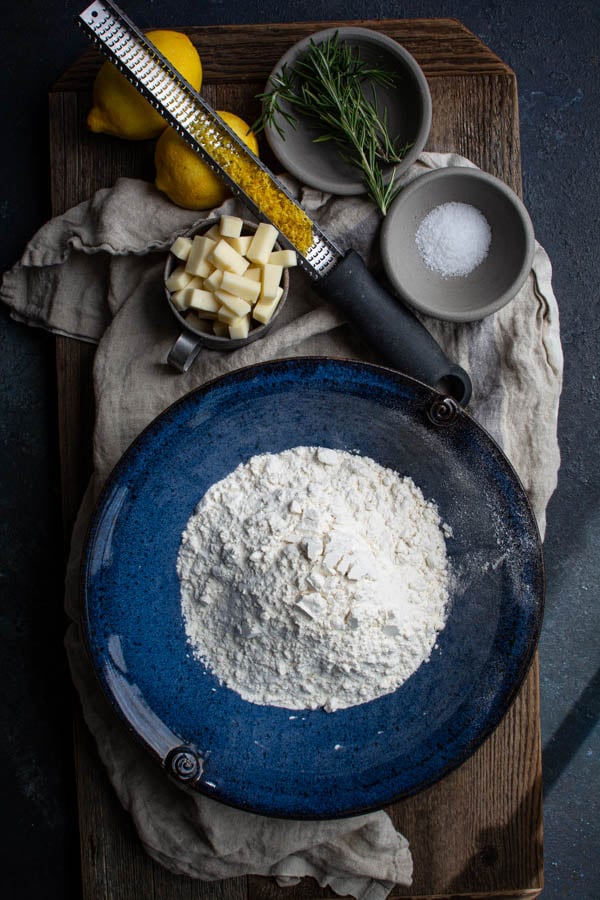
[(483, 124), (248, 52), (478, 833)]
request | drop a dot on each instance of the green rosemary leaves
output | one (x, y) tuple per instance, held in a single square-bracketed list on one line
[(330, 85)]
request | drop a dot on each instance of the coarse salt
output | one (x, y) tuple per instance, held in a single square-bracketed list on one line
[(453, 239)]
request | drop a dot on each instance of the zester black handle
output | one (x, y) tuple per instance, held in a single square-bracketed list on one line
[(391, 328)]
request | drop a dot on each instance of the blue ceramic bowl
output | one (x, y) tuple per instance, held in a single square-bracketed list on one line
[(311, 764)]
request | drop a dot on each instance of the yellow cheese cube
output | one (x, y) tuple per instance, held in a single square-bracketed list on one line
[(181, 247), (239, 328), (270, 281), (197, 262), (226, 315), (213, 233), (285, 258), (213, 282), (241, 243), (178, 300), (254, 273), (233, 303), (202, 301), (241, 286), (264, 309), (178, 279), (262, 243), (230, 226), (223, 256)]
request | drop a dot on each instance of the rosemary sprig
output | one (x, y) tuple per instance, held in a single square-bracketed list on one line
[(330, 85)]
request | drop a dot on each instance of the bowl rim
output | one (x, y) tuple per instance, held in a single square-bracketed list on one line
[(346, 186), (415, 186)]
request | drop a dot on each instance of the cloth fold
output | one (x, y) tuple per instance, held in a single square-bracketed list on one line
[(95, 273)]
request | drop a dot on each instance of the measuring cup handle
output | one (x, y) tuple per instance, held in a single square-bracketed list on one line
[(184, 351), (391, 328)]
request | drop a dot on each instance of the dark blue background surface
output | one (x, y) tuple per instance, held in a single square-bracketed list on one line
[(554, 49)]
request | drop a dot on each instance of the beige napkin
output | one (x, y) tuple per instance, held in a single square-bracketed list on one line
[(95, 273)]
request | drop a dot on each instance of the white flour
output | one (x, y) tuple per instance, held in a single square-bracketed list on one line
[(313, 578)]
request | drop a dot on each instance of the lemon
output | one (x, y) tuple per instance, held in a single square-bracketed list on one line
[(119, 109), (184, 177)]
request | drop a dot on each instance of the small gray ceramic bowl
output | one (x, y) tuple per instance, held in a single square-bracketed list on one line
[(192, 338), (489, 286), (408, 106)]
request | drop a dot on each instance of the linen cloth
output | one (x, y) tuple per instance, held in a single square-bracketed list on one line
[(95, 273)]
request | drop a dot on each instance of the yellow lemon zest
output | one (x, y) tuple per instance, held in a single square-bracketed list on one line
[(184, 176), (289, 218)]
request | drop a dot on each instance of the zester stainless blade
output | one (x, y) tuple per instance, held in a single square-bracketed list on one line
[(200, 126)]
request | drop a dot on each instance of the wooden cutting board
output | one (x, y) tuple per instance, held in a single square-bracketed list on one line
[(477, 833)]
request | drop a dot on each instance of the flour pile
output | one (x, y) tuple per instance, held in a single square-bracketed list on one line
[(313, 578)]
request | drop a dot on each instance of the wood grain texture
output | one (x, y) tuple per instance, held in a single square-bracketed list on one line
[(477, 833), (249, 52)]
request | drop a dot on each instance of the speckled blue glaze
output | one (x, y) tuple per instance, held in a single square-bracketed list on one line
[(298, 763)]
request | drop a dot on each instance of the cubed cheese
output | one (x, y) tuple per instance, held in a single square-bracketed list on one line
[(230, 226), (234, 304), (262, 243), (214, 232), (213, 281), (239, 328), (202, 301), (178, 279), (264, 309), (223, 256), (241, 286), (241, 243), (270, 281), (181, 247), (226, 315), (285, 258), (226, 278), (197, 262), (178, 300)]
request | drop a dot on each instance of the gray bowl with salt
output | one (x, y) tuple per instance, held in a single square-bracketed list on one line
[(457, 244)]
